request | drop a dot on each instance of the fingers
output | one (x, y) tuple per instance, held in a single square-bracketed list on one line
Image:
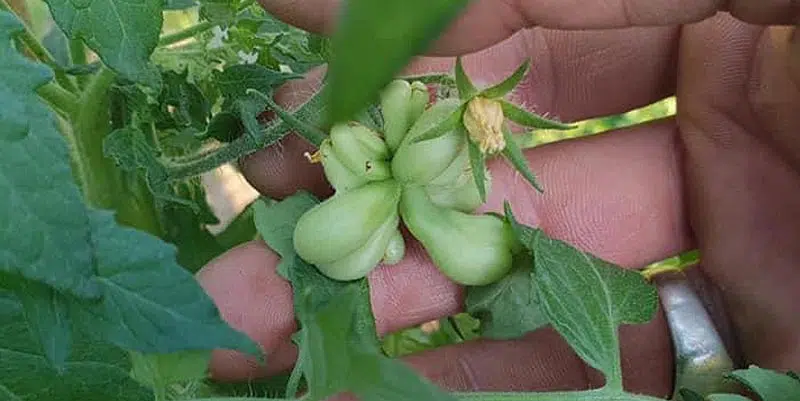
[(487, 22), (739, 124), (543, 361), (617, 196), (574, 75)]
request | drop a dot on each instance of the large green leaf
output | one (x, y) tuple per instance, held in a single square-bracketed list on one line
[(94, 372), (375, 40), (508, 308), (122, 32), (75, 266), (769, 384), (586, 298), (39, 202)]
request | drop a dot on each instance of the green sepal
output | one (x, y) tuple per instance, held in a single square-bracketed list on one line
[(477, 161), (466, 89), (513, 153), (438, 120), (528, 119), (508, 84)]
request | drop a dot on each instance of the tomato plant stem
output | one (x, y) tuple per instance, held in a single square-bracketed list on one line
[(65, 102), (104, 184), (187, 33), (77, 53)]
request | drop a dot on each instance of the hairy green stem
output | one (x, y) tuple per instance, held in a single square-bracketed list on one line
[(311, 112), (38, 50), (187, 33), (104, 184), (77, 54), (65, 102)]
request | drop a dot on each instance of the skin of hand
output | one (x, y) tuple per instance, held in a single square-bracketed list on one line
[(721, 175)]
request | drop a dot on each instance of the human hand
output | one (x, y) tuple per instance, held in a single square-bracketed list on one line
[(722, 176)]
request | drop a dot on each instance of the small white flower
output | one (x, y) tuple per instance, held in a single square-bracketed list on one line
[(285, 68), (220, 36), (247, 58)]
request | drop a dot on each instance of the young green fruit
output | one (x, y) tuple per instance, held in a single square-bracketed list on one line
[(420, 97), (469, 249), (456, 188), (353, 155), (346, 235), (421, 162), (395, 102)]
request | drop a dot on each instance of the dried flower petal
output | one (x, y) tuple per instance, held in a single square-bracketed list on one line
[(484, 122)]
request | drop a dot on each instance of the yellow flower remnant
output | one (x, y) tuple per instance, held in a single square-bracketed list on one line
[(484, 122)]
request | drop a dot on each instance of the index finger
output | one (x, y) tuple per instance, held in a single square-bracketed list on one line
[(487, 22)]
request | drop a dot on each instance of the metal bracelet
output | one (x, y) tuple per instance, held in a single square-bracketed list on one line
[(701, 358)]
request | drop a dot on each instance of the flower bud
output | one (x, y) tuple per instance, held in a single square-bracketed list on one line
[(421, 162), (469, 249), (395, 102), (346, 222), (484, 122)]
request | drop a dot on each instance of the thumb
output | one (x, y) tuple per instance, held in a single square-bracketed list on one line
[(487, 22)]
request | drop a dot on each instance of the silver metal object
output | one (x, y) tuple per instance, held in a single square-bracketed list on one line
[(701, 358)]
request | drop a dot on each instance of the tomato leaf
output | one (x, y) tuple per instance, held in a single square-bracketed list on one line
[(93, 372), (508, 84), (768, 384), (513, 153), (121, 285), (509, 308), (122, 33), (39, 201), (234, 81), (150, 303), (47, 317), (586, 298), (528, 119), (374, 41)]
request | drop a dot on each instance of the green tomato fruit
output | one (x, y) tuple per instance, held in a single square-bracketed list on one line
[(345, 222), (363, 260), (421, 162), (361, 150), (418, 101), (469, 249), (395, 102), (338, 175), (395, 250)]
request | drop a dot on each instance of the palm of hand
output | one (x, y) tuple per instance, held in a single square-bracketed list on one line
[(721, 175)]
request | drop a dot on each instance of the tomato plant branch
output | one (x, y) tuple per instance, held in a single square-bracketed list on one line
[(187, 33), (311, 112), (65, 102), (104, 184)]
